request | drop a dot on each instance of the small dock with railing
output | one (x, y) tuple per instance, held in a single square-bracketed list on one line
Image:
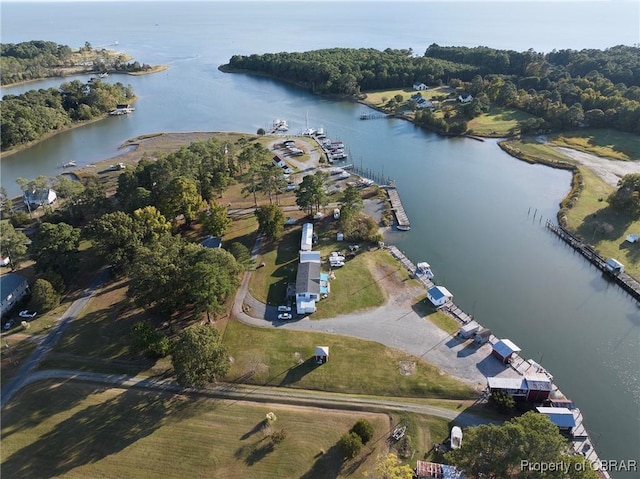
[(403, 223)]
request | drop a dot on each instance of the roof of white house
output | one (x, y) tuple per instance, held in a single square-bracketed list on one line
[(10, 282), (505, 347), (439, 292), (560, 416), (614, 263), (308, 278), (506, 383), (307, 235)]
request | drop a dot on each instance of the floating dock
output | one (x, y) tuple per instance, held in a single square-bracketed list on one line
[(625, 281), (402, 219)]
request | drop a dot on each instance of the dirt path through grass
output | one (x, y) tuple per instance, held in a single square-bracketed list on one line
[(611, 171)]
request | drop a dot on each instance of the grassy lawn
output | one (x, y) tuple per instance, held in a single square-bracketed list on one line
[(612, 144), (497, 122), (285, 358), (78, 430), (375, 97)]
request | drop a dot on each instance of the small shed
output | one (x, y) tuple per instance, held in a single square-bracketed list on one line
[(614, 266), (482, 336), (633, 238), (468, 330), (505, 350), (560, 416), (439, 295), (322, 354)]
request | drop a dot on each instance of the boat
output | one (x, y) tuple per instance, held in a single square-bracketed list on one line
[(280, 125), (124, 109), (320, 133), (339, 156), (456, 437), (69, 164), (424, 269), (403, 227), (398, 433), (309, 132), (103, 75)]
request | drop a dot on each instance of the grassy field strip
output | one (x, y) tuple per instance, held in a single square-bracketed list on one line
[(81, 430)]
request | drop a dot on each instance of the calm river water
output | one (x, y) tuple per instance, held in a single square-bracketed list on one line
[(471, 206)]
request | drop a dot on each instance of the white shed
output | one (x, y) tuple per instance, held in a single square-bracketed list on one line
[(469, 329), (614, 266), (322, 354)]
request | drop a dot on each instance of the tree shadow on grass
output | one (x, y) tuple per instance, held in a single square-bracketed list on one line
[(95, 432), (327, 466), (256, 429), (255, 452), (297, 373)]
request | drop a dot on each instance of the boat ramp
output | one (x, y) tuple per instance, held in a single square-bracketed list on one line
[(402, 219)]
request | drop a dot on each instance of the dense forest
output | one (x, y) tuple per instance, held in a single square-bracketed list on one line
[(562, 89), (41, 59), (29, 116)]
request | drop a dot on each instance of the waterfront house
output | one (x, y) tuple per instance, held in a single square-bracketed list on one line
[(39, 197), (306, 242), (211, 242), (322, 354), (419, 86), (505, 350), (482, 336), (533, 387), (433, 470), (561, 417), (439, 295), (422, 104), (13, 288)]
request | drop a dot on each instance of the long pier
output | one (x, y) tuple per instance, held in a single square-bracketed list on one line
[(625, 281), (580, 440), (396, 205)]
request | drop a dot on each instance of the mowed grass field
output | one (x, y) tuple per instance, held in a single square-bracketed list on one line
[(497, 122), (281, 357), (79, 430), (616, 145)]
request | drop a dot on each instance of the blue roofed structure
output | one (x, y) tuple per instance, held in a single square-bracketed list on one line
[(211, 242), (439, 295), (560, 416)]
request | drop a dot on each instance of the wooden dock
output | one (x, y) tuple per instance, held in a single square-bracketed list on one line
[(397, 208), (372, 116), (626, 282)]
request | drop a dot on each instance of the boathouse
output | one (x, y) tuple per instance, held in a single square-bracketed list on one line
[(306, 242), (322, 354), (505, 350), (561, 417), (530, 388), (614, 266), (482, 336), (439, 295), (469, 329)]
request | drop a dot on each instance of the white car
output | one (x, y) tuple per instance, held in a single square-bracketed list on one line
[(286, 170), (337, 264), (284, 308), (27, 314), (284, 316), (318, 216), (291, 187)]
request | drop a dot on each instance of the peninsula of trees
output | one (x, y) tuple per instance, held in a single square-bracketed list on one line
[(562, 89), (42, 59)]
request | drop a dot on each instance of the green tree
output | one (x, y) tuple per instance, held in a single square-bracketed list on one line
[(627, 197), (241, 253), (199, 357), (310, 195), (498, 451), (364, 429), (215, 219), (114, 237), (147, 340), (44, 296), (502, 400), (181, 197), (55, 247), (350, 445), (271, 220), (150, 225), (12, 244), (351, 199)]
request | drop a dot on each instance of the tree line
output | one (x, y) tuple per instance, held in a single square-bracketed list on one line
[(562, 89), (43, 59), (29, 116)]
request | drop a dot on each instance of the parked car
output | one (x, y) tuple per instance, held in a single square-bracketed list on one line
[(286, 170), (284, 316), (318, 216), (290, 187), (27, 314), (336, 264), (284, 308)]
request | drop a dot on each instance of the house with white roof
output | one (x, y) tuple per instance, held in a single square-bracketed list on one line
[(306, 242), (532, 387), (419, 86), (13, 288), (505, 350)]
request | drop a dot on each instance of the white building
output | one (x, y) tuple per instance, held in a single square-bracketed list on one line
[(307, 237), (13, 288), (439, 295)]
